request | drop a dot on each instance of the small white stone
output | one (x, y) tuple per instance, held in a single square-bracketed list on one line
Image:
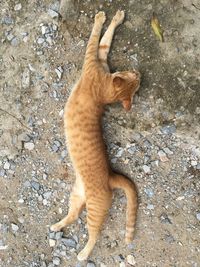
[(180, 198), (61, 113), (194, 163), (21, 220), (52, 13), (56, 261), (44, 202), (40, 40), (15, 227), (122, 264), (52, 242), (6, 166), (162, 156), (146, 169), (43, 29), (21, 201), (198, 216), (18, 7), (59, 72), (150, 207), (131, 260), (29, 146)]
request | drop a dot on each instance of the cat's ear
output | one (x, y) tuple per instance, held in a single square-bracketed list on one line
[(118, 81), (127, 104)]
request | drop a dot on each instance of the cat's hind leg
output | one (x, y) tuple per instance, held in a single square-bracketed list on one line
[(97, 209), (106, 40), (76, 204)]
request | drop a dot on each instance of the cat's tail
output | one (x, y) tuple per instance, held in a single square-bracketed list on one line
[(118, 181)]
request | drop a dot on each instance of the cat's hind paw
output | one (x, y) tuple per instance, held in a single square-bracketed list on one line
[(100, 17)]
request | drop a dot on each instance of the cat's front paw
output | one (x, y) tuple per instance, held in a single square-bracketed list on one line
[(119, 17), (100, 17)]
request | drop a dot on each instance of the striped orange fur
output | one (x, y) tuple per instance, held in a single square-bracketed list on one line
[(82, 121)]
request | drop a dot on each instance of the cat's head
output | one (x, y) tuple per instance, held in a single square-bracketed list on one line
[(125, 84)]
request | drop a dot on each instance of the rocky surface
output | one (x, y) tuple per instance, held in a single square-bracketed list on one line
[(156, 144)]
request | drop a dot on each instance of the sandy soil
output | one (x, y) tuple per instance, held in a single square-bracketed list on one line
[(156, 144)]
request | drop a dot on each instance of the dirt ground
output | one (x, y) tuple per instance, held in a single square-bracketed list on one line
[(157, 144)]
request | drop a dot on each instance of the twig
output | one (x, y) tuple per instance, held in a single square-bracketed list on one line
[(5, 111), (195, 6)]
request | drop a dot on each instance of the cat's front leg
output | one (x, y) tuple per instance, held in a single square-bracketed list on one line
[(91, 54)]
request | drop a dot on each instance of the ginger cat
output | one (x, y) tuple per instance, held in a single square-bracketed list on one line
[(82, 120)]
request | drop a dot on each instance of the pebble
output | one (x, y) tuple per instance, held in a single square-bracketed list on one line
[(35, 185), (122, 264), (15, 227), (59, 72), (137, 136), (198, 216), (68, 242), (52, 13), (168, 129), (21, 200), (6, 165), (150, 207), (44, 29), (45, 202), (40, 40), (29, 146), (56, 261), (164, 218), (198, 166), (168, 151), (7, 20), (47, 195), (58, 235), (194, 163), (149, 192), (10, 36), (146, 169), (131, 260), (2, 173), (119, 153), (90, 264), (17, 7), (14, 41), (26, 78), (132, 150), (163, 157), (52, 242)]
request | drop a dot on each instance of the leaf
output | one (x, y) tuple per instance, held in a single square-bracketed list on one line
[(156, 27)]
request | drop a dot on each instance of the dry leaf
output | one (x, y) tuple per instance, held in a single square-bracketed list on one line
[(156, 27)]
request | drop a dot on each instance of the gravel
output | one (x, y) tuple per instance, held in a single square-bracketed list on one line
[(90, 264), (29, 146), (52, 13), (198, 216), (156, 144), (146, 169), (131, 260), (69, 242), (15, 227), (18, 7), (56, 261)]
